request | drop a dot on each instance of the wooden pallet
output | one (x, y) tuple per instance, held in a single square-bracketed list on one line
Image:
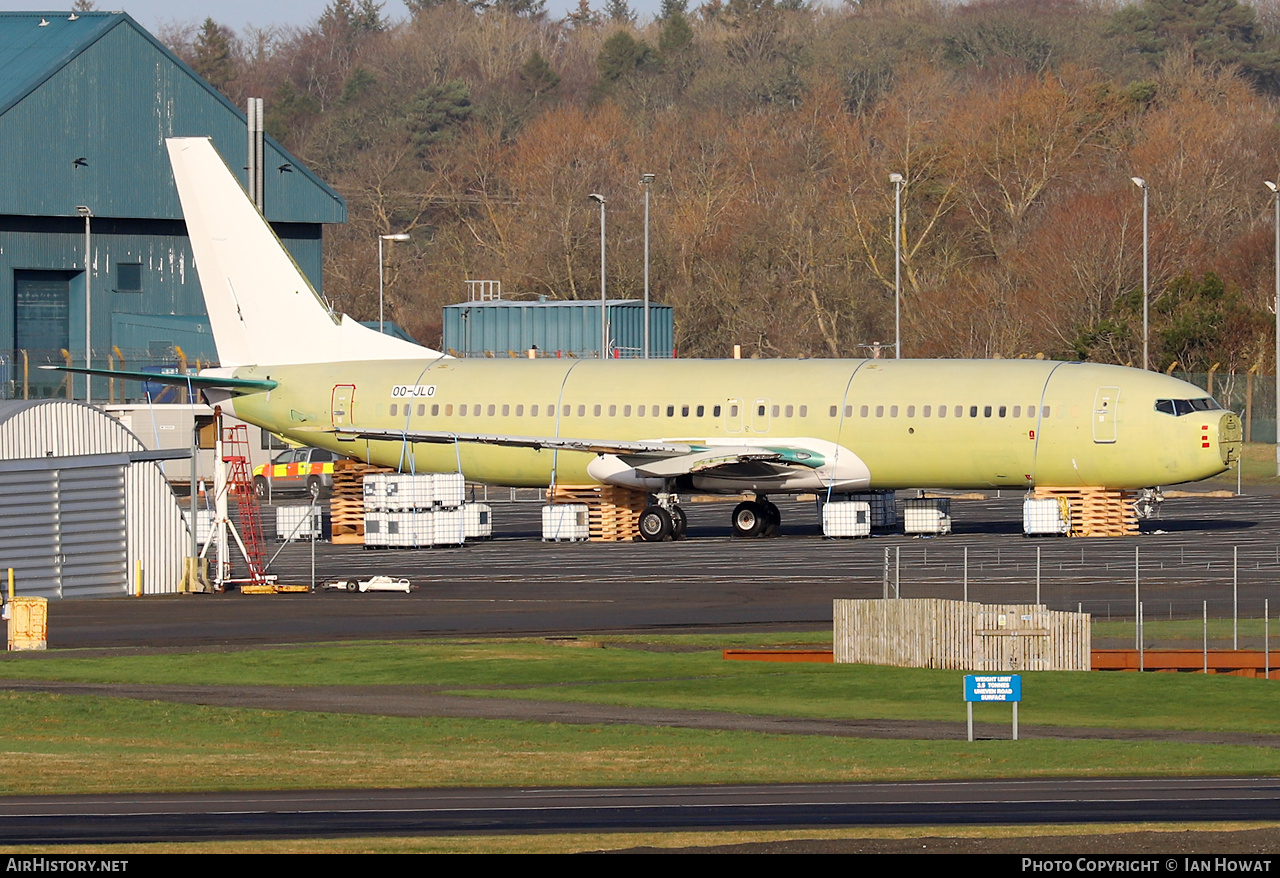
[(1096, 512), (613, 514), (346, 507)]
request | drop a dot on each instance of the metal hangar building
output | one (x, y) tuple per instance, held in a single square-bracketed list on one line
[(86, 102)]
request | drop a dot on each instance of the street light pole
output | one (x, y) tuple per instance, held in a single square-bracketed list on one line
[(88, 305), (604, 318), (1275, 196), (402, 236), (1146, 288), (897, 180), (645, 180)]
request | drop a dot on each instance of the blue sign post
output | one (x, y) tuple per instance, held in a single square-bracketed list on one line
[(993, 687)]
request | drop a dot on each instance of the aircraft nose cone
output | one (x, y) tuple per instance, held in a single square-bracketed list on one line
[(1229, 435)]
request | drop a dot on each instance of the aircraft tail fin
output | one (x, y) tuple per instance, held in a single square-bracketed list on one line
[(262, 308)]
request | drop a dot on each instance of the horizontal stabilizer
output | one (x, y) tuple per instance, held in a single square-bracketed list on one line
[(204, 381)]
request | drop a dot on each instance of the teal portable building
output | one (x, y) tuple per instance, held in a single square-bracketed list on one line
[(504, 328)]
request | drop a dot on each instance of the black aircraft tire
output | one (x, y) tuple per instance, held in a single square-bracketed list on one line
[(773, 519), (655, 524), (748, 519), (679, 523)]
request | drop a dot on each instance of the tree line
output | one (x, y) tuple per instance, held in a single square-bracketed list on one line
[(772, 128)]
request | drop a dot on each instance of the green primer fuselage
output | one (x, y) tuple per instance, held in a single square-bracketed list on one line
[(1007, 423)]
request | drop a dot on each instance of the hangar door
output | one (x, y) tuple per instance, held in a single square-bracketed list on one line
[(62, 528)]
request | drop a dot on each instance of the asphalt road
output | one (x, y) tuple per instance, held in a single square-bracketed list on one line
[(275, 814), (1202, 550)]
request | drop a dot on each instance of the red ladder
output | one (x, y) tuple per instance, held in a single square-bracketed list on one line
[(235, 452)]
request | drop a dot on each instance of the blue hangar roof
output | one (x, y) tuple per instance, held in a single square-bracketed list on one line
[(86, 101)]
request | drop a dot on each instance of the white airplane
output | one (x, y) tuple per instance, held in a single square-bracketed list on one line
[(292, 366)]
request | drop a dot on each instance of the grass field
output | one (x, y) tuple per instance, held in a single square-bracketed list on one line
[(1259, 470), (60, 743)]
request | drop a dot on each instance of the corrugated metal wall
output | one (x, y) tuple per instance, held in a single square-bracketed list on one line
[(77, 546), (75, 514), (170, 284), (571, 328)]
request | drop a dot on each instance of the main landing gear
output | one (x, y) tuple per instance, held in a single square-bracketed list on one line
[(756, 518), (663, 520)]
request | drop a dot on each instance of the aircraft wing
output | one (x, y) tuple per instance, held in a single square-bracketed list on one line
[(550, 443), (649, 457)]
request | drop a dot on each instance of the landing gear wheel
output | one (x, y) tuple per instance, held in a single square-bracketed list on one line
[(655, 524), (748, 519), (773, 519), (679, 523)]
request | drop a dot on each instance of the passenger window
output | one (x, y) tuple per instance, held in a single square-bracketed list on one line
[(435, 409), (926, 411), (733, 411), (773, 411), (393, 408), (671, 411), (613, 411), (1045, 411), (568, 409), (790, 411), (626, 411), (715, 412), (986, 411), (973, 411), (448, 410), (582, 411), (879, 411), (863, 411), (640, 411), (834, 409), (942, 411), (760, 411), (1002, 411), (422, 409), (506, 410), (533, 410), (911, 411), (519, 411), (804, 411), (596, 411), (699, 411), (684, 411), (462, 409), (1017, 411), (848, 412)]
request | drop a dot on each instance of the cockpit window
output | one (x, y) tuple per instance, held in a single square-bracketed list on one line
[(1187, 406)]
